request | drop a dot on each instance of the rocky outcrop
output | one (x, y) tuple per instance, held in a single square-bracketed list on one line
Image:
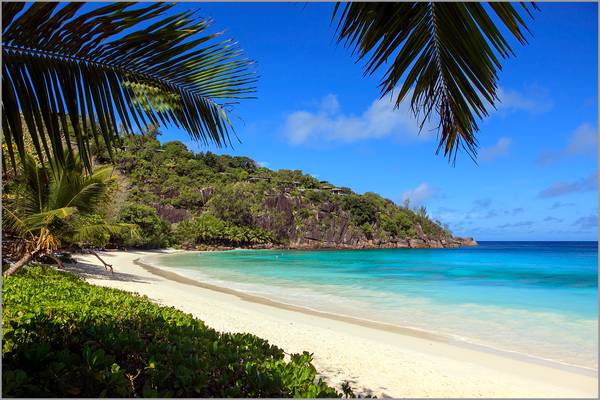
[(327, 226)]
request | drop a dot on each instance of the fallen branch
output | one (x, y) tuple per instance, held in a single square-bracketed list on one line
[(107, 266)]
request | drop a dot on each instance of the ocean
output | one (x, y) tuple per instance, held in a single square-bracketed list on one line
[(534, 298)]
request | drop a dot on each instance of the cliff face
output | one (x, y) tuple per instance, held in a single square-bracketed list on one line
[(328, 226), (295, 209)]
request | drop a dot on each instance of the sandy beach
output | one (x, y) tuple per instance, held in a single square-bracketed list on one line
[(379, 361)]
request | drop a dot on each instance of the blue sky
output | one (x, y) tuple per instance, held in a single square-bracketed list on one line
[(537, 172)]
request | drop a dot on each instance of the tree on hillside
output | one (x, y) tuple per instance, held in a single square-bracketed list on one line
[(87, 71), (54, 207), (444, 56)]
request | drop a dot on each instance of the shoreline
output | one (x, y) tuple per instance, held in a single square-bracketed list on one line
[(387, 327), (375, 361)]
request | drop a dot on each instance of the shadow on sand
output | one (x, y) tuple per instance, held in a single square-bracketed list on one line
[(87, 270)]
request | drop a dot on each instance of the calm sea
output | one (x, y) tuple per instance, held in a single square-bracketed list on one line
[(535, 298)]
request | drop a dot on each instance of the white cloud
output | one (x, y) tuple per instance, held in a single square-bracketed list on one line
[(501, 148), (534, 101), (583, 141), (417, 196), (263, 164), (330, 124)]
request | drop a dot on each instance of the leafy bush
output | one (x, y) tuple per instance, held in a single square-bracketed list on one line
[(233, 203), (399, 224), (362, 209), (66, 338), (208, 229), (153, 230)]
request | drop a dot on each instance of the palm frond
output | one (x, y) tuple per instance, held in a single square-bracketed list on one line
[(447, 54), (89, 232), (64, 67), (15, 223), (35, 222), (35, 193)]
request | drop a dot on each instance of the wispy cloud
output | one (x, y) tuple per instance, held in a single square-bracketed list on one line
[(521, 224), (482, 203), (501, 148), (552, 219), (263, 164), (562, 188), (417, 196), (587, 222), (516, 211), (558, 204), (534, 100), (329, 124), (583, 141)]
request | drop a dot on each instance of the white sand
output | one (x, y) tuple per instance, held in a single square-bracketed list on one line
[(374, 360)]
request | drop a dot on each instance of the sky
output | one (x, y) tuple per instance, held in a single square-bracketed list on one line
[(536, 177)]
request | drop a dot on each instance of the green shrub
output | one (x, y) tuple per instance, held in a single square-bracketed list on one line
[(233, 203), (400, 223), (368, 230), (362, 209), (66, 338), (153, 230), (208, 229)]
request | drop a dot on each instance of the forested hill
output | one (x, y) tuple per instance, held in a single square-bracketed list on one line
[(220, 200)]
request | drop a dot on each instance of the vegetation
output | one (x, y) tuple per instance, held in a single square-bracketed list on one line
[(62, 65), (443, 55), (210, 230), (103, 63), (153, 231), (48, 209), (211, 199), (63, 337)]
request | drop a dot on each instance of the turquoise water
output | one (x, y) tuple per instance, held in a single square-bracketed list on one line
[(536, 298)]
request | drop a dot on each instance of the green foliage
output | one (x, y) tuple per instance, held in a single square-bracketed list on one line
[(66, 338), (234, 203), (399, 224), (443, 55), (153, 230), (102, 238), (68, 63), (249, 201), (211, 230), (368, 230), (51, 208), (362, 209)]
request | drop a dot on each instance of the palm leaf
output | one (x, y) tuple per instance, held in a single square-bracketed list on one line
[(89, 232), (35, 222), (63, 67), (14, 223), (446, 53)]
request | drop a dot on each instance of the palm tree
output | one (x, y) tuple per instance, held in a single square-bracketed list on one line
[(69, 70), (49, 205), (443, 55)]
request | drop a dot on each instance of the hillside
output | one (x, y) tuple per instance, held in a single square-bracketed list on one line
[(203, 195)]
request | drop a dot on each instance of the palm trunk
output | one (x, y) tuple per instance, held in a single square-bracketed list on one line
[(21, 263)]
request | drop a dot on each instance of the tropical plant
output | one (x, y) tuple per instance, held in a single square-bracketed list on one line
[(153, 230), (66, 69), (63, 337), (446, 52), (210, 230), (50, 207)]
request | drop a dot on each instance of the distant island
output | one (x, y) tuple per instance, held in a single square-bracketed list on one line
[(208, 201)]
